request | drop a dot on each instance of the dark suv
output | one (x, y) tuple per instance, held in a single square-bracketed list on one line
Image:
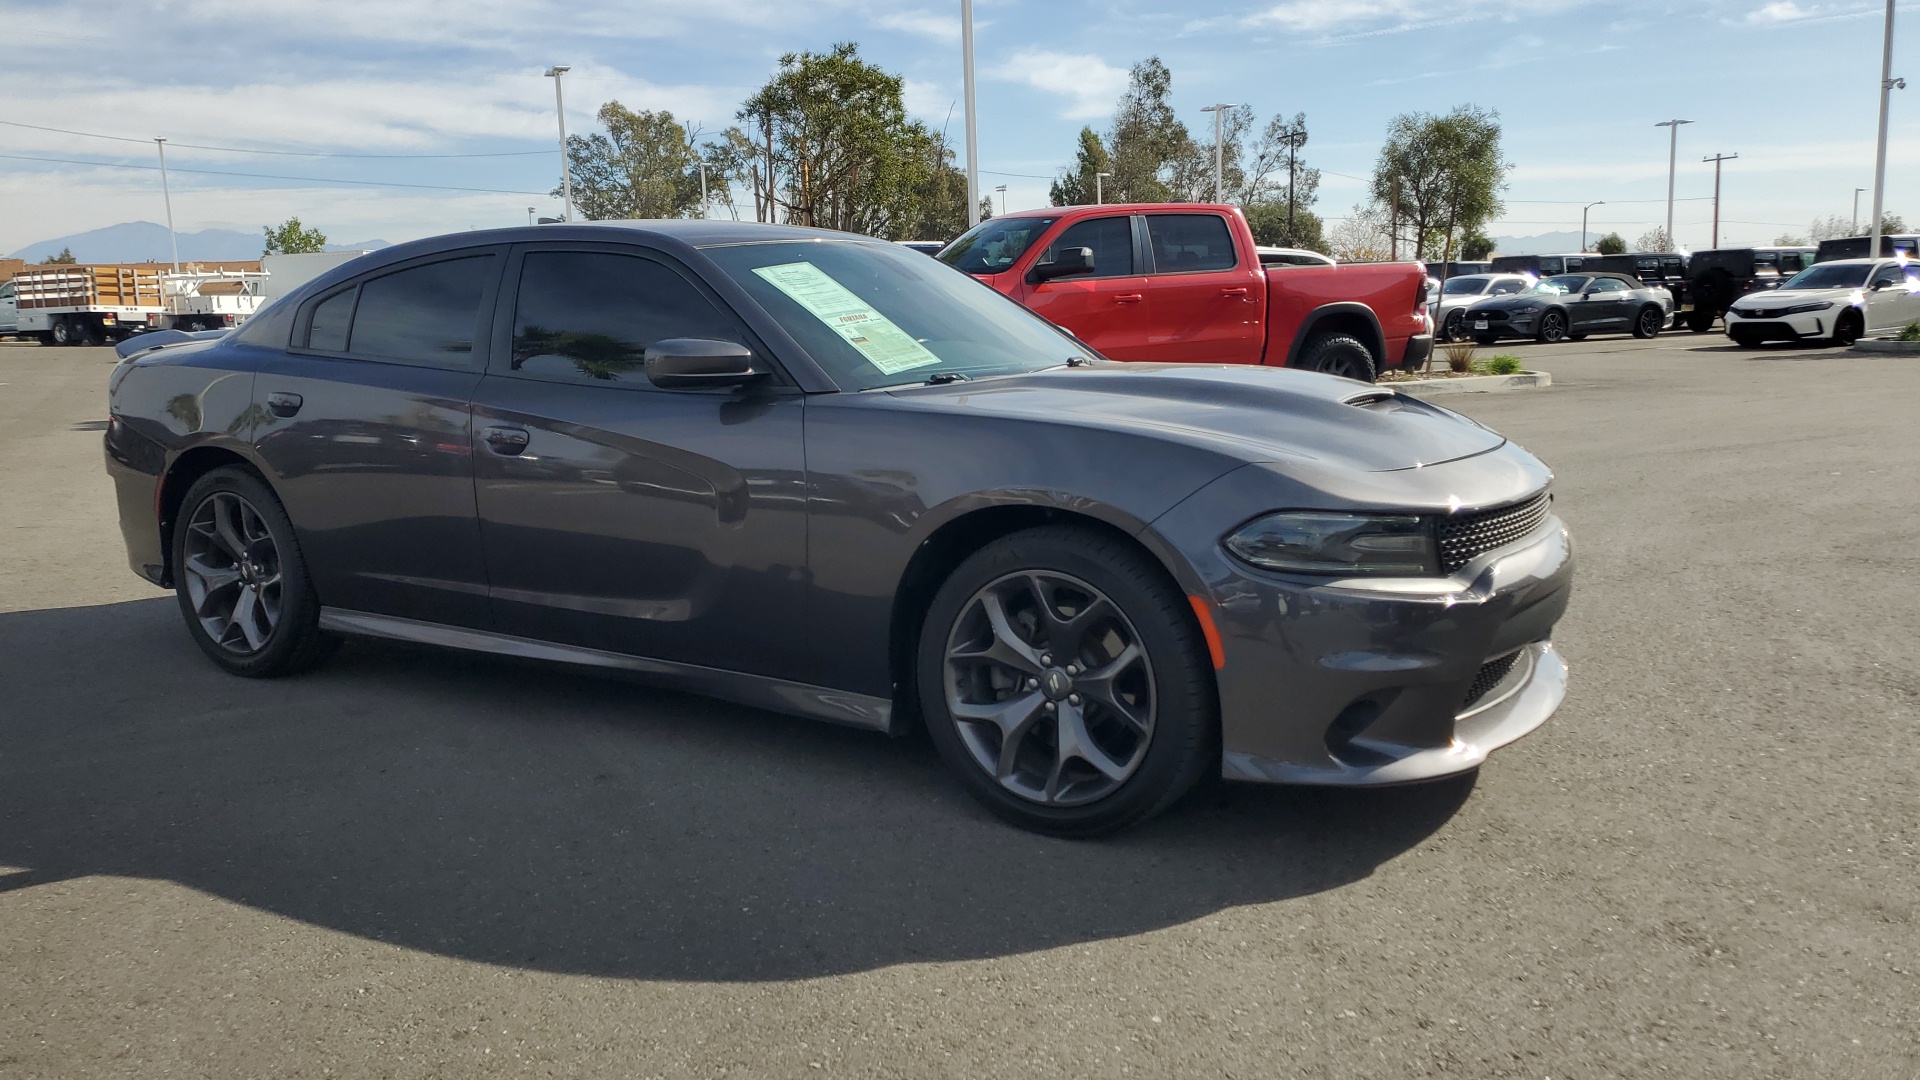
[(1855, 247), (1715, 279), (1543, 265)]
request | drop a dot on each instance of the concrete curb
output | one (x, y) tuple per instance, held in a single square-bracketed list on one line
[(1476, 384), (1887, 347)]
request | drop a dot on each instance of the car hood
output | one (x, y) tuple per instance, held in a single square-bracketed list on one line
[(1514, 302), (1787, 297), (1253, 414)]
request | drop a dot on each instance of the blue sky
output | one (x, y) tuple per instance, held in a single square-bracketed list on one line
[(1789, 85)]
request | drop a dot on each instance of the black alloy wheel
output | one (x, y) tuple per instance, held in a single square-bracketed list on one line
[(1847, 329), (1454, 329), (242, 585), (1339, 354), (1652, 320), (1553, 328), (1064, 682)]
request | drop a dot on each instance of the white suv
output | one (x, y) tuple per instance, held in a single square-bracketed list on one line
[(1835, 301)]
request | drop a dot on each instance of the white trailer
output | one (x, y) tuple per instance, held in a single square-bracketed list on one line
[(211, 299), (86, 305)]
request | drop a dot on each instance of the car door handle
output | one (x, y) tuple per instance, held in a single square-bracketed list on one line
[(506, 441), (1129, 298), (283, 405), (1233, 292)]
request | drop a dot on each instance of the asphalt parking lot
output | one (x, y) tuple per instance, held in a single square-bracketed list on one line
[(412, 864)]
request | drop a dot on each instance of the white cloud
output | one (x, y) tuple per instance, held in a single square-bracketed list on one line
[(927, 24), (1081, 85), (1778, 12)]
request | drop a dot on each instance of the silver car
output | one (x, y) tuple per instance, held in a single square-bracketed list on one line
[(1457, 294)]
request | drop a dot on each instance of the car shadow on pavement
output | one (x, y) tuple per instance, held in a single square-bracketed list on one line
[(564, 822)]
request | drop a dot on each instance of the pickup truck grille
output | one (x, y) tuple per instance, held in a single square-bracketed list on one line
[(1464, 537)]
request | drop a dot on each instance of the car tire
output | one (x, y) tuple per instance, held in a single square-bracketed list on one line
[(1485, 339), (1576, 337), (1700, 320), (84, 334), (1339, 354), (1652, 320), (61, 333), (242, 585), (1455, 328), (1552, 329), (1154, 721), (1745, 341), (1847, 329)]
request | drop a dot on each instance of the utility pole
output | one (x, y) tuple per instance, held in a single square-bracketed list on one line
[(1673, 150), (1218, 110), (529, 215), (167, 194), (1887, 85), (566, 171), (1717, 159), (1099, 195), (1393, 222), (1583, 223), (973, 130), (702, 162), (1856, 209), (1294, 138)]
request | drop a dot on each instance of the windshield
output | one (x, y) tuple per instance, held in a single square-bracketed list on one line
[(1829, 276), (1464, 286), (995, 244), (1560, 286), (881, 315)]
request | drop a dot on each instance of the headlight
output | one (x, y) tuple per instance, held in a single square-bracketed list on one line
[(1802, 309), (1309, 542)]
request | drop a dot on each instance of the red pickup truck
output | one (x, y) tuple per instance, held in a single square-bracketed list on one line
[(1182, 282)]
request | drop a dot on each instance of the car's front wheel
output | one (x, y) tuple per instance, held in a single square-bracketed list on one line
[(1553, 328), (1064, 682), (1846, 330), (1652, 320), (241, 582)]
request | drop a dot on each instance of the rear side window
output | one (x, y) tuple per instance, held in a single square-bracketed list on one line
[(1502, 288), (1183, 243), (588, 316), (425, 315), (332, 318), (1111, 239), (1608, 285)]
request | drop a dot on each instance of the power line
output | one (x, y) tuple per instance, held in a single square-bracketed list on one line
[(278, 153), (272, 176)]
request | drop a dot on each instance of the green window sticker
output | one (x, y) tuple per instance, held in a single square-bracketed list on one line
[(883, 343)]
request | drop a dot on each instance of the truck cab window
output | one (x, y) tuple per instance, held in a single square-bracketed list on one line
[(1185, 243), (1111, 239)]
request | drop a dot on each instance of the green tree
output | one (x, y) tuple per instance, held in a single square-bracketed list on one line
[(1475, 246), (844, 155), (1891, 222), (644, 166), (1079, 185), (65, 258), (1272, 225), (290, 238), (1611, 244), (1441, 174), (1148, 141)]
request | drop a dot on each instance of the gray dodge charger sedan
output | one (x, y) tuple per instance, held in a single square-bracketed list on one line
[(830, 476)]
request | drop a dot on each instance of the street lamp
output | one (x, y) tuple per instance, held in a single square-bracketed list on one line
[(1099, 194), (1887, 85), (973, 131), (566, 173), (1002, 189), (1673, 149), (1583, 223), (1218, 111), (529, 215), (1856, 209), (167, 194)]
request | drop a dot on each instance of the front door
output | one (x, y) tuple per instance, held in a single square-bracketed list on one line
[(625, 518), (1891, 297), (1602, 307), (1109, 308), (364, 424), (1209, 302)]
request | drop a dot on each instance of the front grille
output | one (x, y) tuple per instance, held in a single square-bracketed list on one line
[(1495, 315), (1464, 537), (1489, 676), (1759, 313)]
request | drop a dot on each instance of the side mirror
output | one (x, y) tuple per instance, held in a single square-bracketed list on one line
[(699, 364), (1066, 263)]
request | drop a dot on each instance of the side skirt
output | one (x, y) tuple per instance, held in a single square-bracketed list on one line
[(778, 695)]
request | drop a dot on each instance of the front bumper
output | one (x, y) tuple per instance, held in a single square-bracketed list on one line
[(1367, 682), (1811, 324), (1501, 323)]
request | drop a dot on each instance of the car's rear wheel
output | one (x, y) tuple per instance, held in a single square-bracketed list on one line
[(1339, 354), (1553, 328), (1700, 320), (61, 332), (1065, 684), (1652, 320), (1576, 337), (1846, 329), (241, 582)]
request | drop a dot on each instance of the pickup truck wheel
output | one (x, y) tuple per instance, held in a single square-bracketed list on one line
[(1338, 354), (85, 335), (1553, 328), (62, 332)]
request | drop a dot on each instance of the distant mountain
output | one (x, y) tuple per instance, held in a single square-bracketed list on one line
[(141, 241), (1553, 243)]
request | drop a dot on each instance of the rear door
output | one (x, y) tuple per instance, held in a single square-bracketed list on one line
[(621, 517), (1109, 308), (364, 422), (1209, 303)]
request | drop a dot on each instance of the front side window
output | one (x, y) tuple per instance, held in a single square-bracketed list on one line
[(1886, 275), (332, 318), (1111, 239), (995, 244), (1504, 288), (1186, 243), (1829, 276), (424, 315), (588, 316), (1464, 286)]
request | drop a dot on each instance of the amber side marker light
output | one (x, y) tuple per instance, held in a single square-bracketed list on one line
[(1209, 631)]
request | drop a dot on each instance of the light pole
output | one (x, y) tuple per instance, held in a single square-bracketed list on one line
[(1099, 193), (566, 172), (1856, 209), (1717, 159), (167, 194), (973, 130), (1673, 149), (1887, 85), (1218, 110), (1002, 189), (1583, 223), (529, 215)]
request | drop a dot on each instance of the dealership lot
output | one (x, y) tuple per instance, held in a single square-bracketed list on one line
[(414, 864)]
